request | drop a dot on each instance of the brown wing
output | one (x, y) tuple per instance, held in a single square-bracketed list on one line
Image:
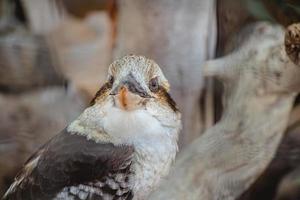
[(70, 161)]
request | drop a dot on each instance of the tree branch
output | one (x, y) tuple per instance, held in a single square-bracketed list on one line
[(259, 80)]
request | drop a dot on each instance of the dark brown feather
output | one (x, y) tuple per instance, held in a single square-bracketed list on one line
[(101, 92), (72, 160), (165, 97)]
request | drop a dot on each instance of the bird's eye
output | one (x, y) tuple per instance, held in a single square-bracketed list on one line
[(111, 80), (153, 84)]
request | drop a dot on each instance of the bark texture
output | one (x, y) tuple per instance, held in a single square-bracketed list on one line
[(285, 162), (260, 85)]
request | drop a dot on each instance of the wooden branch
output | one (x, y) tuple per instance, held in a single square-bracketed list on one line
[(83, 50), (28, 120), (26, 60), (259, 93), (286, 160), (180, 37), (44, 15), (26, 63), (80, 48)]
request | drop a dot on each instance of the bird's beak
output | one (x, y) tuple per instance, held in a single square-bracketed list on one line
[(129, 93)]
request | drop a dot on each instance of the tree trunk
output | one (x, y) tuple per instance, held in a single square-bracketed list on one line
[(180, 37)]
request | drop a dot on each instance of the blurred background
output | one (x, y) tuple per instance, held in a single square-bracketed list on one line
[(54, 56)]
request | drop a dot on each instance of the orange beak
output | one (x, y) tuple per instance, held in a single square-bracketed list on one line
[(127, 100), (123, 97), (129, 95)]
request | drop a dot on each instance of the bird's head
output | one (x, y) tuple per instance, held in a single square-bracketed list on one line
[(134, 81), (133, 103)]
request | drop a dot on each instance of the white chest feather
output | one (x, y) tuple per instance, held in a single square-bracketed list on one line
[(130, 126), (155, 146), (152, 133), (152, 162)]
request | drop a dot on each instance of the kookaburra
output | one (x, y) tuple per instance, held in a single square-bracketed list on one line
[(118, 148)]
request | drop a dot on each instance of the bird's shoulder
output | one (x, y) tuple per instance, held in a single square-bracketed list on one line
[(71, 163)]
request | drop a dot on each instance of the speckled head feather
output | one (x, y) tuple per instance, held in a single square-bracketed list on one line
[(142, 70)]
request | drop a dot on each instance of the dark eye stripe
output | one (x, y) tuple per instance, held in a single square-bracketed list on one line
[(168, 99), (106, 87)]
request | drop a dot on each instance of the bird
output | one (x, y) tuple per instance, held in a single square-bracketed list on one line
[(119, 147)]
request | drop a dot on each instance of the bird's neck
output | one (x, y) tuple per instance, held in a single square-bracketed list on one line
[(107, 123)]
